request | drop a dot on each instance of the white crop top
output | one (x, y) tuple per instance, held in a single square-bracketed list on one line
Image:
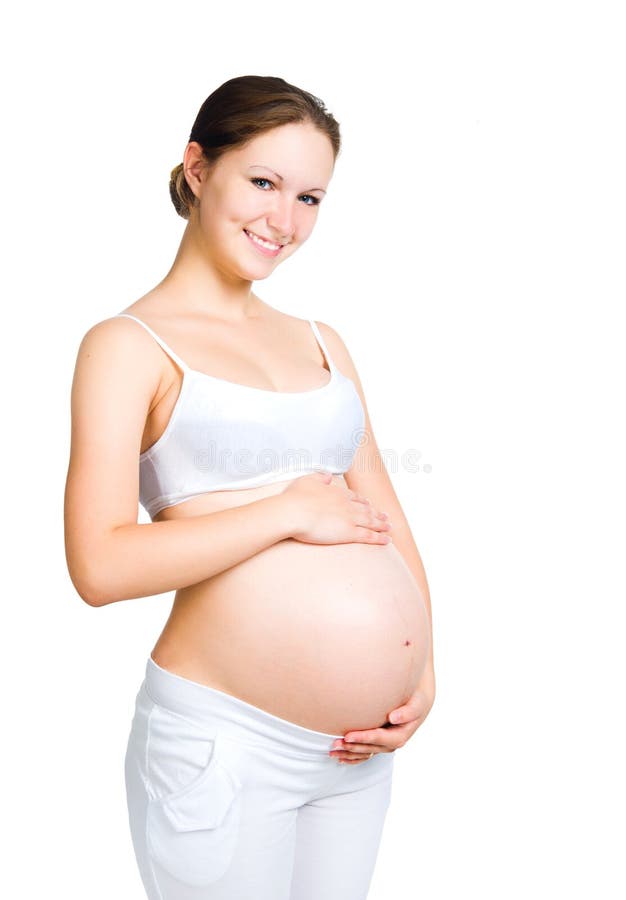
[(224, 436)]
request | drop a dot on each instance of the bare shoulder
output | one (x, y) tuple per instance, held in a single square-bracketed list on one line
[(290, 328), (339, 351), (123, 343), (109, 333)]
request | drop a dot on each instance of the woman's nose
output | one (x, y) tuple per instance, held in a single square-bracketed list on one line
[(281, 221)]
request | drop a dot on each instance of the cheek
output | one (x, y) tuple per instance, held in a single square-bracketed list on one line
[(243, 205), (304, 224), (226, 207)]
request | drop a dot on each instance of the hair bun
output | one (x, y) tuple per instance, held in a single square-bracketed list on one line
[(181, 194)]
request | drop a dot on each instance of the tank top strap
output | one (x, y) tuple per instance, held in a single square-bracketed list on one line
[(322, 343), (183, 365)]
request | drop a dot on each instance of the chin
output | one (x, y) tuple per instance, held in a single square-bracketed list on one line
[(247, 273), (262, 276)]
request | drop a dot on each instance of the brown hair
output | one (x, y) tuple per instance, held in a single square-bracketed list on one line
[(239, 110)]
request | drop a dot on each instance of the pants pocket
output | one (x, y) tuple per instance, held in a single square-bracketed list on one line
[(193, 818)]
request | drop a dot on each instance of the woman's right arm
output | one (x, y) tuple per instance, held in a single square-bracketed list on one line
[(139, 560), (110, 556)]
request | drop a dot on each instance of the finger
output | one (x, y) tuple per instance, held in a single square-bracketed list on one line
[(371, 736), (344, 756), (376, 523), (401, 715), (363, 748)]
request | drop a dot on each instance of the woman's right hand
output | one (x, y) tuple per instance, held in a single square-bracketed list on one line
[(328, 513)]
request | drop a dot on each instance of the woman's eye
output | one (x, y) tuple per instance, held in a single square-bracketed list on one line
[(315, 200)]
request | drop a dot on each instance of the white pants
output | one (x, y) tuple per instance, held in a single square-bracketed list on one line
[(229, 802)]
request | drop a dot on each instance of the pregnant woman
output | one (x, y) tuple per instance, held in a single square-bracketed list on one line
[(260, 755)]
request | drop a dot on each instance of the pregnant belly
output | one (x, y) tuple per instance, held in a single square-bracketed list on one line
[(332, 637)]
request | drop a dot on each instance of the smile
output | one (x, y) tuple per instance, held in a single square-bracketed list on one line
[(263, 244)]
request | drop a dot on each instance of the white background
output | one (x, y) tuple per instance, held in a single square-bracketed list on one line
[(471, 254)]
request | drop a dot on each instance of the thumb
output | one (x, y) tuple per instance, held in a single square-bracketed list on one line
[(405, 713), (398, 715)]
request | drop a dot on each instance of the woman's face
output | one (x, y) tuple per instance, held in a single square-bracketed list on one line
[(271, 188)]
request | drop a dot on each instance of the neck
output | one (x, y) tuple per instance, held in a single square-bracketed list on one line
[(203, 287)]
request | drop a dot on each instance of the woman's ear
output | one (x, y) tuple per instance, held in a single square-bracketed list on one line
[(194, 165)]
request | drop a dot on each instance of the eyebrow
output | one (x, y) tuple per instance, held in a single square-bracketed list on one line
[(280, 177)]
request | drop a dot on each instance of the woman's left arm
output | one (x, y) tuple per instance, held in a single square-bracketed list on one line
[(369, 478)]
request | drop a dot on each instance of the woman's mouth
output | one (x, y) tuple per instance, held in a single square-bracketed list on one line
[(267, 248)]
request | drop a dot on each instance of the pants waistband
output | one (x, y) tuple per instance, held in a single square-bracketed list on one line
[(212, 706)]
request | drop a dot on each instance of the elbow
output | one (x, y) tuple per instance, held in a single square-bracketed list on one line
[(91, 594), (88, 565), (92, 598), (89, 587), (99, 590)]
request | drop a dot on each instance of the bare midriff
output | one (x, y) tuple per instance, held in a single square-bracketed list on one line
[(329, 636)]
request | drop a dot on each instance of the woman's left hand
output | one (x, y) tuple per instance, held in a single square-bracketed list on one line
[(357, 746)]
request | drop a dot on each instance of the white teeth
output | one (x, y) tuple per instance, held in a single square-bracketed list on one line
[(260, 241)]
